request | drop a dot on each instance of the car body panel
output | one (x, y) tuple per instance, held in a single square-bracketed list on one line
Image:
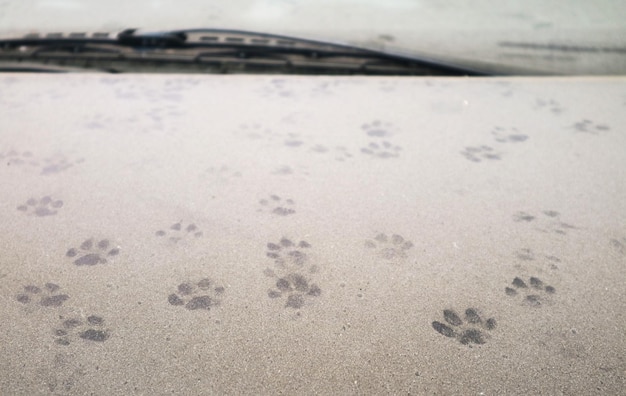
[(312, 235)]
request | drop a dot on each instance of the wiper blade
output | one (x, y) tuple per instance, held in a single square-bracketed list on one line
[(216, 50), (172, 39)]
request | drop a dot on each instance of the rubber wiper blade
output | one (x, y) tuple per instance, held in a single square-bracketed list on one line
[(247, 44), (217, 51)]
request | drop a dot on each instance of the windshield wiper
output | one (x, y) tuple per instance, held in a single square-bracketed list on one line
[(214, 51)]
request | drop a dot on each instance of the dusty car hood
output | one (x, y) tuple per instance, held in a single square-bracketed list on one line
[(172, 234)]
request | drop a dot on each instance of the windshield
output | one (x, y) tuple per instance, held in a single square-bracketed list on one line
[(573, 38)]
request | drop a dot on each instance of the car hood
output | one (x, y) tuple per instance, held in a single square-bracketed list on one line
[(243, 234)]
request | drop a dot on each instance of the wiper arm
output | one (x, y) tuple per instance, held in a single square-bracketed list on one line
[(217, 50)]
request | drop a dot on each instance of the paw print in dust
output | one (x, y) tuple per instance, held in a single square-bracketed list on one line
[(382, 146), (323, 89), (481, 153), (590, 127), (340, 152), (293, 140), (47, 296), (276, 205), (378, 129), (533, 295), (548, 221), (472, 331), (92, 330), (389, 248), (619, 245), (201, 295), (278, 88), (526, 254), (179, 231), (501, 136), (91, 253), (57, 164), (292, 273), (45, 206), (289, 172), (295, 286), (286, 253), (550, 105), (523, 217), (256, 131), (47, 166), (17, 158), (382, 150), (508, 135)]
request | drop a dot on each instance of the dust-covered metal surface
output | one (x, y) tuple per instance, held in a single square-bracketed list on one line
[(265, 235)]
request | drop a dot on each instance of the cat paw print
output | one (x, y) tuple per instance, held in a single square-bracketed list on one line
[(47, 296), (203, 294), (481, 153), (17, 158), (296, 287), (58, 164), (590, 127), (389, 248), (619, 245), (548, 221), (525, 254), (92, 329), (278, 206), (380, 148), (378, 129), (45, 206), (508, 135), (178, 231), (55, 164), (91, 252), (523, 217), (278, 88), (323, 89), (341, 153), (286, 253), (292, 276), (533, 295), (299, 172), (473, 331), (293, 140), (550, 105), (528, 255)]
